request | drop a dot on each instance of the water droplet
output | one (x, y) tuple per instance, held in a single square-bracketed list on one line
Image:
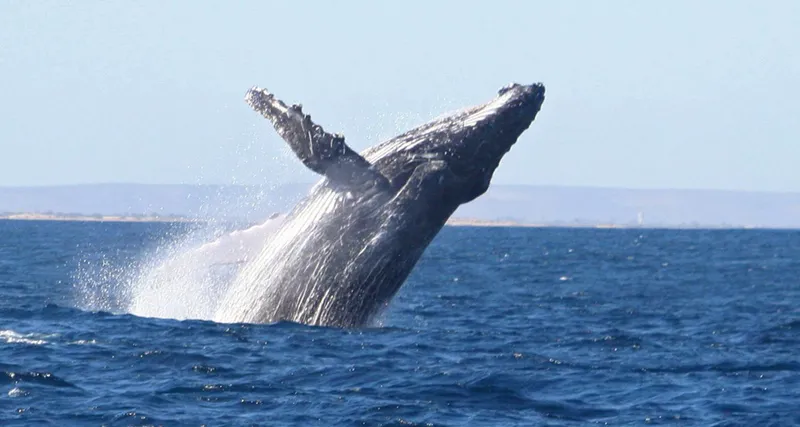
[(17, 392)]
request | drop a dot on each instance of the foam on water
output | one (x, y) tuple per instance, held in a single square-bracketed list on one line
[(13, 337)]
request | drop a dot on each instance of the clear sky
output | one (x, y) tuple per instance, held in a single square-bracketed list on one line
[(678, 94)]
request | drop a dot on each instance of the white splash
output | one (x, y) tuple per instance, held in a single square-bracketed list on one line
[(13, 337), (17, 392), (184, 274), (181, 278), (187, 281)]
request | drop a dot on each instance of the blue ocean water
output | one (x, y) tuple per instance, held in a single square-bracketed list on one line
[(495, 327)]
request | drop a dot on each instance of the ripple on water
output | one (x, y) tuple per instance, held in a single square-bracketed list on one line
[(651, 326)]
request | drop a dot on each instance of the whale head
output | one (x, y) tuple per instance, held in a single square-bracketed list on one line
[(470, 142), (489, 132)]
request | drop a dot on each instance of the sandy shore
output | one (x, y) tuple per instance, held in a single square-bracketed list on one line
[(472, 222)]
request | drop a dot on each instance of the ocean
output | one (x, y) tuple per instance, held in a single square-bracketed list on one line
[(495, 327)]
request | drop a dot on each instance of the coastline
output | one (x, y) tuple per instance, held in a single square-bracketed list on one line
[(452, 222), (92, 218), (176, 218)]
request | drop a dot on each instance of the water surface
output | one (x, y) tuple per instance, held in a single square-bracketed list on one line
[(496, 326)]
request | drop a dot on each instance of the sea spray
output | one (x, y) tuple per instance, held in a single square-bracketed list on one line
[(161, 276), (179, 281), (182, 275), (187, 281), (185, 270)]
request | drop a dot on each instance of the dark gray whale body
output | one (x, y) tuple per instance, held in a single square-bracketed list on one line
[(344, 251)]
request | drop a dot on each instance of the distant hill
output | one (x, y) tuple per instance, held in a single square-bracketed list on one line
[(520, 203), (584, 205), (235, 201)]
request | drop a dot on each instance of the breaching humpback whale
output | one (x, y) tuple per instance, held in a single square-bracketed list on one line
[(344, 251)]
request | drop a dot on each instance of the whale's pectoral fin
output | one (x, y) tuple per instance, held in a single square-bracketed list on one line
[(324, 153)]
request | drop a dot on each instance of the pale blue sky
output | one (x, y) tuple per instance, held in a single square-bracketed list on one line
[(679, 94)]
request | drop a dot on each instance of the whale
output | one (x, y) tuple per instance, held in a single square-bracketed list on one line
[(342, 253)]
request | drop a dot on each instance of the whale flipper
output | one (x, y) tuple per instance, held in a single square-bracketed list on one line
[(324, 153)]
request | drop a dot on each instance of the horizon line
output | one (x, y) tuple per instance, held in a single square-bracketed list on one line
[(310, 183)]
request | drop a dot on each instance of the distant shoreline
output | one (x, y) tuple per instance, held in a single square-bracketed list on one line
[(501, 206), (453, 222), (93, 218)]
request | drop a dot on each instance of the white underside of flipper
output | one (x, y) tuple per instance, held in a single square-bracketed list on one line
[(241, 245)]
